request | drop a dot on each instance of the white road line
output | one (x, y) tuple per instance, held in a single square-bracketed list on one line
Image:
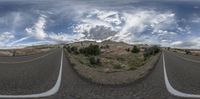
[(171, 89), (50, 92)]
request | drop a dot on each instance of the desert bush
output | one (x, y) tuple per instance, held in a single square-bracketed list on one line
[(74, 49), (117, 66), (156, 49), (76, 52), (150, 51), (135, 49), (94, 60), (174, 51), (107, 46), (82, 50), (68, 49), (146, 55), (187, 52), (127, 49), (92, 50), (14, 52)]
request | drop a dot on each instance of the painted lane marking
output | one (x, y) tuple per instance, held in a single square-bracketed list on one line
[(50, 92), (173, 91), (27, 60)]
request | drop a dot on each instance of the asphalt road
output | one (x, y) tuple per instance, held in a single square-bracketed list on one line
[(36, 75), (29, 74)]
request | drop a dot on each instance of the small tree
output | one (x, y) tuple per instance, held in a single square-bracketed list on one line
[(92, 50), (127, 49), (74, 48), (135, 49), (82, 50), (68, 49), (151, 51), (94, 60), (107, 46), (156, 49), (187, 52), (14, 52)]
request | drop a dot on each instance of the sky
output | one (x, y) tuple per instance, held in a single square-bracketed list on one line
[(167, 23)]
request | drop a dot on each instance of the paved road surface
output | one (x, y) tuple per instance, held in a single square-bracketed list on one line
[(40, 75)]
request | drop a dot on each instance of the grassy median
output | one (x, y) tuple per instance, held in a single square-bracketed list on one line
[(108, 56)]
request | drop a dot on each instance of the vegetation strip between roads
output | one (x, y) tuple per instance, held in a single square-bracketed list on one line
[(170, 89), (50, 92)]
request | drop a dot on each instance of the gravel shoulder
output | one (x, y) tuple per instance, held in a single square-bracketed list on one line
[(113, 78)]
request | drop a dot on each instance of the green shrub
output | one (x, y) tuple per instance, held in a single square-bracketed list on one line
[(92, 50), (146, 55), (132, 68), (117, 66), (151, 51), (82, 50), (127, 49), (68, 49), (187, 52), (74, 49), (94, 60), (107, 46), (14, 53), (135, 49), (76, 52), (156, 49)]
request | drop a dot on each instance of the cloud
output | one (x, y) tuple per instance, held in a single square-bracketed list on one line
[(192, 42), (5, 38), (16, 20), (176, 43), (18, 41), (38, 29), (196, 20), (127, 26), (22, 45), (131, 21), (63, 37)]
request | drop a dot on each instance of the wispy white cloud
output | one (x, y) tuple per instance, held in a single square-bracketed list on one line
[(24, 44), (38, 29), (192, 42), (63, 37), (98, 20), (129, 25), (18, 41), (5, 38)]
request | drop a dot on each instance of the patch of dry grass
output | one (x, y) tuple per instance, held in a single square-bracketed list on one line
[(114, 58)]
